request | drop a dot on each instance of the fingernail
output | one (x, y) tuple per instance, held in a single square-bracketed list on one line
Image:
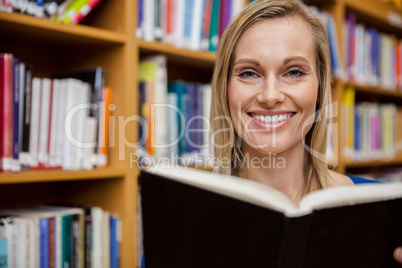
[(398, 254)]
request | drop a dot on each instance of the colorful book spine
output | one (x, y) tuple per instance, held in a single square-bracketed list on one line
[(214, 27), (44, 242), (15, 165), (72, 11), (103, 149), (24, 157), (114, 241), (6, 111), (84, 11), (3, 252)]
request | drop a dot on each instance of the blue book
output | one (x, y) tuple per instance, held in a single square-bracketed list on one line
[(142, 100), (3, 253), (140, 19), (190, 118), (44, 242), (114, 241), (66, 244), (356, 129), (179, 88), (198, 120), (16, 114), (188, 20)]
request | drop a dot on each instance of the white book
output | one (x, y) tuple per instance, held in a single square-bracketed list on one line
[(106, 239), (196, 25), (74, 125), (97, 222), (173, 129), (149, 20), (206, 109), (35, 115), (179, 24), (54, 117), (237, 6), (60, 133), (158, 107), (90, 136), (44, 122)]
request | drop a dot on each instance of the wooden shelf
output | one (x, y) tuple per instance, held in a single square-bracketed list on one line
[(59, 175), (23, 27), (375, 163), (379, 12), (376, 90), (181, 56)]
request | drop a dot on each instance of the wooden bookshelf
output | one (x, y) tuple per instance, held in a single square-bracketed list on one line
[(103, 39), (59, 175), (107, 38), (395, 93), (375, 163)]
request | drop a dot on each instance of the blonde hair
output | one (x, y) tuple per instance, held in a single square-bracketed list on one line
[(315, 170)]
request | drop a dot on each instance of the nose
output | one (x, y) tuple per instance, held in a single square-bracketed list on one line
[(271, 93)]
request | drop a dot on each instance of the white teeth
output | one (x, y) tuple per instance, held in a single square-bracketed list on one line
[(272, 119)]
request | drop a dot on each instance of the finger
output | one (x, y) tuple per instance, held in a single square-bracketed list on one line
[(398, 255)]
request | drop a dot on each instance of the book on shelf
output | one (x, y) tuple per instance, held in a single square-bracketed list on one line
[(153, 71), (370, 129), (65, 11), (185, 24), (15, 164), (38, 130), (84, 11), (371, 57), (6, 111), (195, 218), (3, 252), (60, 236), (25, 116), (95, 77)]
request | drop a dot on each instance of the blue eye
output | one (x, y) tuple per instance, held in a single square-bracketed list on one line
[(247, 74), (295, 73)]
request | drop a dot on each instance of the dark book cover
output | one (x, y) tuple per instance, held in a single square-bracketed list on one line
[(26, 122), (187, 226)]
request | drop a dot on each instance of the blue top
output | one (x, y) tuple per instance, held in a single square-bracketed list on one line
[(357, 180)]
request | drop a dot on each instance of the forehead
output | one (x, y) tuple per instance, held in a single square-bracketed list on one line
[(277, 37)]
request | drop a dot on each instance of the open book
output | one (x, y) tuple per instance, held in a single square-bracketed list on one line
[(194, 218)]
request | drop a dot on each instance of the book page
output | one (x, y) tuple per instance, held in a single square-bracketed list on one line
[(262, 195), (242, 189), (351, 195)]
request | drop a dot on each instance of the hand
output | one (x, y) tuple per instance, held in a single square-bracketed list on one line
[(398, 254)]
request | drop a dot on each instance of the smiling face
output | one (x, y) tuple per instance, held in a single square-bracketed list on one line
[(273, 86)]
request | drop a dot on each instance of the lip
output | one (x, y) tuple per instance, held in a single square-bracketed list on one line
[(269, 127)]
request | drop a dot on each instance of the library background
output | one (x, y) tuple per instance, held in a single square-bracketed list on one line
[(69, 187)]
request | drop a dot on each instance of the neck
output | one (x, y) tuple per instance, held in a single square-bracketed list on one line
[(283, 172)]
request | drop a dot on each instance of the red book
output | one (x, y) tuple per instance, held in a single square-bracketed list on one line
[(6, 112), (84, 11)]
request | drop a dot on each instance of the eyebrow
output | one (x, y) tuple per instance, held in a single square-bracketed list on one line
[(285, 61), (250, 61), (297, 58)]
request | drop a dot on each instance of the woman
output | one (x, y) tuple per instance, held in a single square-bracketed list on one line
[(271, 92)]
